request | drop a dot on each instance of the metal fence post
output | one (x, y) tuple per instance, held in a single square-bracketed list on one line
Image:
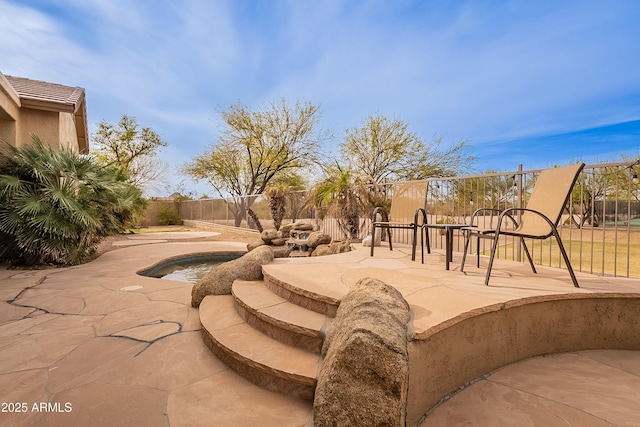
[(520, 205)]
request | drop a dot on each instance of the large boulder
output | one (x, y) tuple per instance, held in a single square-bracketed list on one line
[(281, 251), (219, 280), (302, 226), (254, 244), (279, 241), (285, 230), (335, 247), (318, 238), (268, 235), (364, 377)]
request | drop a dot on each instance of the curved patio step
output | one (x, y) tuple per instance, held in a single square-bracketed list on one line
[(302, 287), (277, 317), (261, 359)]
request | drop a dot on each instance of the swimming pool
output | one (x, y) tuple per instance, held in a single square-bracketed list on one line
[(188, 268)]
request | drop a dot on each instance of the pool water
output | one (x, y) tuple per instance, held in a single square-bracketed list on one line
[(191, 273), (190, 268)]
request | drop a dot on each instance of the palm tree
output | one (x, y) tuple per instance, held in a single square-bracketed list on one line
[(56, 205), (277, 196), (346, 196)]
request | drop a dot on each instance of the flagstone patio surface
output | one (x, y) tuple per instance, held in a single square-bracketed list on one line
[(98, 344)]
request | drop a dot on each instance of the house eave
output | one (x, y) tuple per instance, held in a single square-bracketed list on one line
[(45, 105)]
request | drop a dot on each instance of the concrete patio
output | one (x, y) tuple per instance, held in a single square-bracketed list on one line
[(100, 345)]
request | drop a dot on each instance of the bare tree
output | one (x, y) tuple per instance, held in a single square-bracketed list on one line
[(130, 148), (257, 148), (385, 149)]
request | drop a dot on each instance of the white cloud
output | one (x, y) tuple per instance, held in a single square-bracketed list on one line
[(474, 70)]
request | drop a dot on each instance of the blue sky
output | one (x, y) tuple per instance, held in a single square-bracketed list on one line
[(532, 82)]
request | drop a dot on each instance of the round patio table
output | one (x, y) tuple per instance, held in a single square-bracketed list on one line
[(448, 241)]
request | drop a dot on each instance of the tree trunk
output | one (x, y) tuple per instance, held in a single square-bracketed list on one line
[(254, 221), (239, 214), (277, 207)]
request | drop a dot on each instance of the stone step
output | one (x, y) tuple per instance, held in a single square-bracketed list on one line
[(305, 291), (279, 318), (261, 359)]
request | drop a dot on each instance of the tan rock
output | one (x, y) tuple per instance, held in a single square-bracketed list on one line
[(302, 226), (254, 244), (365, 374), (278, 241), (268, 235), (281, 251), (318, 238), (285, 230), (322, 250), (335, 247), (219, 280)]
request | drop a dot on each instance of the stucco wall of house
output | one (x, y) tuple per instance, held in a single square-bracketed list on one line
[(30, 107), (68, 136), (9, 102), (9, 113), (44, 124), (7, 132), (8, 109)]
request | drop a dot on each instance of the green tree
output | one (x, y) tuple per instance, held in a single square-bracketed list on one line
[(628, 183), (130, 148), (595, 187), (346, 196), (385, 149), (257, 148), (56, 205)]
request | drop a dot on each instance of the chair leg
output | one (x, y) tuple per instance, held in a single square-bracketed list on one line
[(494, 248), (426, 232), (390, 238), (528, 254), (478, 252), (414, 242), (466, 247), (422, 243), (373, 237), (566, 258)]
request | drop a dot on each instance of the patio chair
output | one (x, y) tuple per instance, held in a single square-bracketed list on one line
[(539, 220), (407, 212)]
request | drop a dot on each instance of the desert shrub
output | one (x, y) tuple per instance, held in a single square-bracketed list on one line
[(169, 216), (56, 205)]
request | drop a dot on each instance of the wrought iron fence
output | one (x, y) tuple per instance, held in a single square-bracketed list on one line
[(600, 226)]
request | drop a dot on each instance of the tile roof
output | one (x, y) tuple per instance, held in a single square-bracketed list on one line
[(39, 94)]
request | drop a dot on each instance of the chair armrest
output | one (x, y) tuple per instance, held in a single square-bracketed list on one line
[(383, 214), (477, 211), (507, 213)]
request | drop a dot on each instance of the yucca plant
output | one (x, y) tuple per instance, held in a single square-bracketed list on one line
[(56, 205)]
